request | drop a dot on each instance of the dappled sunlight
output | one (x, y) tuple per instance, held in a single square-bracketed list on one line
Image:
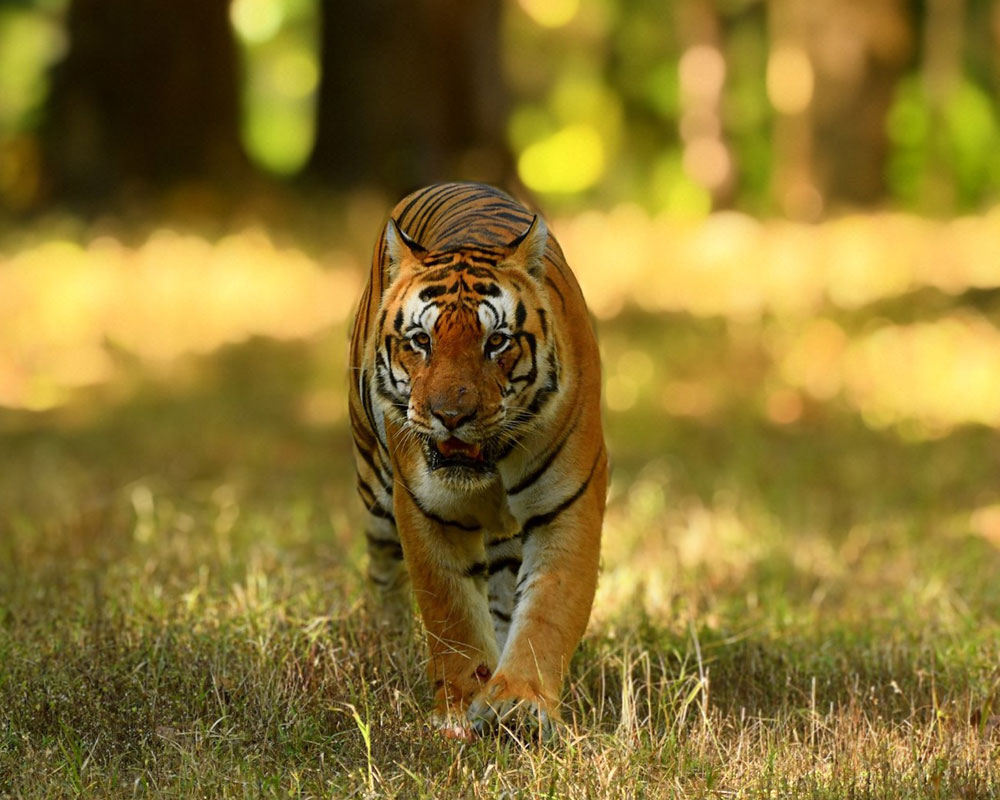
[(784, 286), (927, 377), (74, 314), (936, 374), (656, 547), (733, 265), (69, 309), (985, 522)]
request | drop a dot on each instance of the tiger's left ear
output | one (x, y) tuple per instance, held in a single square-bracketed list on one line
[(400, 249), (526, 251)]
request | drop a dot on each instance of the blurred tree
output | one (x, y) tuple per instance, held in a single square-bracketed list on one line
[(942, 77), (833, 72), (410, 93), (707, 157), (861, 50), (147, 96)]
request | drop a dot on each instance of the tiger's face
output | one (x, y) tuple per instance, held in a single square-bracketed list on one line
[(465, 357)]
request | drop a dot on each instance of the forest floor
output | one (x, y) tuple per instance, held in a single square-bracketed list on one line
[(800, 589)]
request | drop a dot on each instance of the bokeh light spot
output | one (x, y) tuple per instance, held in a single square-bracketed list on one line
[(789, 79), (256, 21), (550, 13), (570, 160)]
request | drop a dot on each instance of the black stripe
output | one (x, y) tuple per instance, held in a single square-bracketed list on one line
[(431, 292), (418, 197), (490, 260), (372, 505), (500, 615), (428, 214), (438, 274), (539, 520), (565, 433), (469, 206), (386, 361), (366, 399), (544, 394), (441, 520), (392, 548), (368, 458), (424, 199), (363, 314), (523, 337), (515, 217), (477, 569), (513, 563), (555, 289), (487, 289), (503, 540), (530, 479)]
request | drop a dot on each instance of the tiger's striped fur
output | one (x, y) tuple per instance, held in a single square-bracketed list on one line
[(475, 408)]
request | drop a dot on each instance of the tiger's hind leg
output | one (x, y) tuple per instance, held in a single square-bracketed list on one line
[(503, 557), (388, 575)]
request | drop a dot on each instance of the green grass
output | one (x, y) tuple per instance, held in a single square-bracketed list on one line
[(785, 610)]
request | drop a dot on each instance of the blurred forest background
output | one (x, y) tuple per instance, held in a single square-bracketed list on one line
[(771, 106), (785, 215)]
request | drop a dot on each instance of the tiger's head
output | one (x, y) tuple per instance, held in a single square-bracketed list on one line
[(466, 354)]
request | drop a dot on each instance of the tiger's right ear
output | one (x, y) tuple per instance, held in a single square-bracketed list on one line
[(401, 249)]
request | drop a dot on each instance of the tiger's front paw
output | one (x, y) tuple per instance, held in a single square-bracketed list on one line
[(452, 700), (515, 708), (453, 726)]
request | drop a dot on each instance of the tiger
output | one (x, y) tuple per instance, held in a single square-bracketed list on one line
[(478, 441)]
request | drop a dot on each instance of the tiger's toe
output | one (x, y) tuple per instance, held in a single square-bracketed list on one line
[(521, 718)]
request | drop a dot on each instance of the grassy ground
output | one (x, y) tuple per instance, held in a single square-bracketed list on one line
[(794, 602)]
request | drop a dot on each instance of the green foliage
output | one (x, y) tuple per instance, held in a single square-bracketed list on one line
[(597, 110), (279, 41), (29, 43), (956, 150)]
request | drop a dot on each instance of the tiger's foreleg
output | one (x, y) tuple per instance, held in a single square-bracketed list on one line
[(553, 597), (448, 570), (387, 572), (503, 557)]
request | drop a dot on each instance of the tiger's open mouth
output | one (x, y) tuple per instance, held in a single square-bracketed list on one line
[(452, 447), (454, 452)]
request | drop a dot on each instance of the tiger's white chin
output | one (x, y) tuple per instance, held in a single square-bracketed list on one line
[(464, 479)]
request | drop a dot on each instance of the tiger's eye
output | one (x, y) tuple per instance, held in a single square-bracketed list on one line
[(496, 340), (422, 339)]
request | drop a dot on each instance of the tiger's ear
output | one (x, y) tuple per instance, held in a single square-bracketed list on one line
[(526, 251), (401, 249)]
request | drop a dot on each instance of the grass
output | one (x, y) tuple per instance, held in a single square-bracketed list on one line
[(795, 601)]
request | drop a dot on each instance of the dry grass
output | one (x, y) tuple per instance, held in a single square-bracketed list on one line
[(798, 596)]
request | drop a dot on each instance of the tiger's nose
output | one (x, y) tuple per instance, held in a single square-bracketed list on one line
[(453, 418), (453, 407)]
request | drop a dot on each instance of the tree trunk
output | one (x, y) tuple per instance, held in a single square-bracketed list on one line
[(147, 96), (791, 90), (707, 156), (833, 150), (410, 93), (942, 76), (861, 49)]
